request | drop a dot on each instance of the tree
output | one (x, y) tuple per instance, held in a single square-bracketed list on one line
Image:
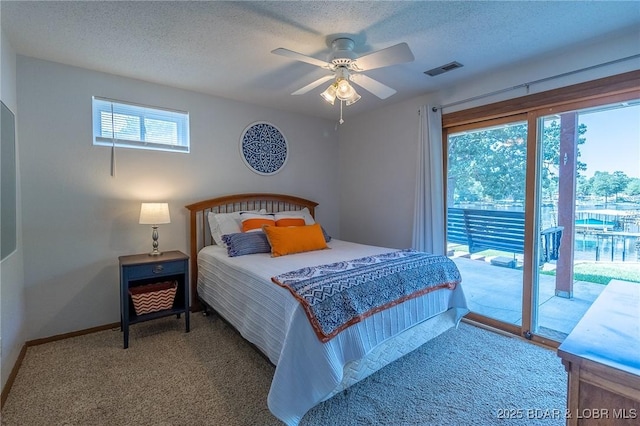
[(603, 184), (633, 187), (619, 181), (489, 160), (583, 186), (493, 161), (607, 184)]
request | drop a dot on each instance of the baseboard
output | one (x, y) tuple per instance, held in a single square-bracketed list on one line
[(12, 376), (63, 336), (36, 342)]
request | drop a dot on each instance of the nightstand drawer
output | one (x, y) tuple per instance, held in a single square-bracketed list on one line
[(155, 269)]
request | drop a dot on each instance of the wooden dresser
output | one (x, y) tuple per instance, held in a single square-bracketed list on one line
[(602, 358)]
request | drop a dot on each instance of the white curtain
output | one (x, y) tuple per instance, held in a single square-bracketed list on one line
[(429, 218)]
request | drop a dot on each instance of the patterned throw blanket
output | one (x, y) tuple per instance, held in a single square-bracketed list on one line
[(340, 294)]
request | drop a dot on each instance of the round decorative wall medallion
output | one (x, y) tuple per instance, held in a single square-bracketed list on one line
[(263, 148)]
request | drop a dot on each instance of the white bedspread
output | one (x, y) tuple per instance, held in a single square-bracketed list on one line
[(307, 371)]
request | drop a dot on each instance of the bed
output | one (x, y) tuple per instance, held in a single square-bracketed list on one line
[(250, 292)]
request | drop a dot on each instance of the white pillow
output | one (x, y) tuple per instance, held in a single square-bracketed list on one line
[(304, 213), (252, 222), (226, 223)]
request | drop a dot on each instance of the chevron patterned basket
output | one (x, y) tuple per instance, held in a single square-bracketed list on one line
[(153, 297)]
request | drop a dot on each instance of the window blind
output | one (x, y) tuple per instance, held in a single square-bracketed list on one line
[(122, 124)]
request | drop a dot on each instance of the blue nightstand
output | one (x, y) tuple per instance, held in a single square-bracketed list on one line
[(141, 269)]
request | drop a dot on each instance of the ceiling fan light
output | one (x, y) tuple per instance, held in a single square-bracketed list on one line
[(329, 94), (353, 99), (344, 90)]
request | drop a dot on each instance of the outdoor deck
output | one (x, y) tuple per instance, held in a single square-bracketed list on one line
[(496, 292)]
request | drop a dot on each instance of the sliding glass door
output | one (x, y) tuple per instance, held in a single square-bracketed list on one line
[(589, 189), (543, 211), (486, 170)]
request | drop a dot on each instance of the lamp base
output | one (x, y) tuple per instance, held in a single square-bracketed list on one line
[(154, 235)]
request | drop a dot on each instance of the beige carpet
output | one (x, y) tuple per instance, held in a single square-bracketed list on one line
[(211, 376)]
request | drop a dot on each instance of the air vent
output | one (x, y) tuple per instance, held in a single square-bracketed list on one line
[(444, 68)]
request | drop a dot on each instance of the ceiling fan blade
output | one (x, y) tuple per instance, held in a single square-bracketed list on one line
[(313, 85), (397, 54), (373, 86), (300, 57)]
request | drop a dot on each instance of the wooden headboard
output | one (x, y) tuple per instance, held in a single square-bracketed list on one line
[(200, 234)]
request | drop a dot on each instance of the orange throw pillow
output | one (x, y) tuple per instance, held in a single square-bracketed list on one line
[(255, 221), (295, 239), (290, 221)]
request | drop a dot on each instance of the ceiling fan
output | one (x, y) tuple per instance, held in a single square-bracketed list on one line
[(345, 66)]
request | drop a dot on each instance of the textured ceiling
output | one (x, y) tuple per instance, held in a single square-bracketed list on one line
[(223, 48)]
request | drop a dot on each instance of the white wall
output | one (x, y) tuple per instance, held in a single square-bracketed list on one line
[(77, 219), (12, 295), (378, 150)]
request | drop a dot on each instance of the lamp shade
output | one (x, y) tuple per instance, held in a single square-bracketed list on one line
[(329, 95), (154, 213), (353, 99), (344, 90)]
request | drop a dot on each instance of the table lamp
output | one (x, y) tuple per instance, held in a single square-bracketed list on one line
[(154, 214)]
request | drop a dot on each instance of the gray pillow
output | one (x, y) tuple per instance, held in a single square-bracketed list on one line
[(327, 237), (243, 243)]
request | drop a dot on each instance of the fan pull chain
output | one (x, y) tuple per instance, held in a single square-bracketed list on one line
[(341, 120)]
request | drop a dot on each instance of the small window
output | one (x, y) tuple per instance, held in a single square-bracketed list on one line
[(128, 125)]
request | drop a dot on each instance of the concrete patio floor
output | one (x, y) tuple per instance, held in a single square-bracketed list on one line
[(496, 292)]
